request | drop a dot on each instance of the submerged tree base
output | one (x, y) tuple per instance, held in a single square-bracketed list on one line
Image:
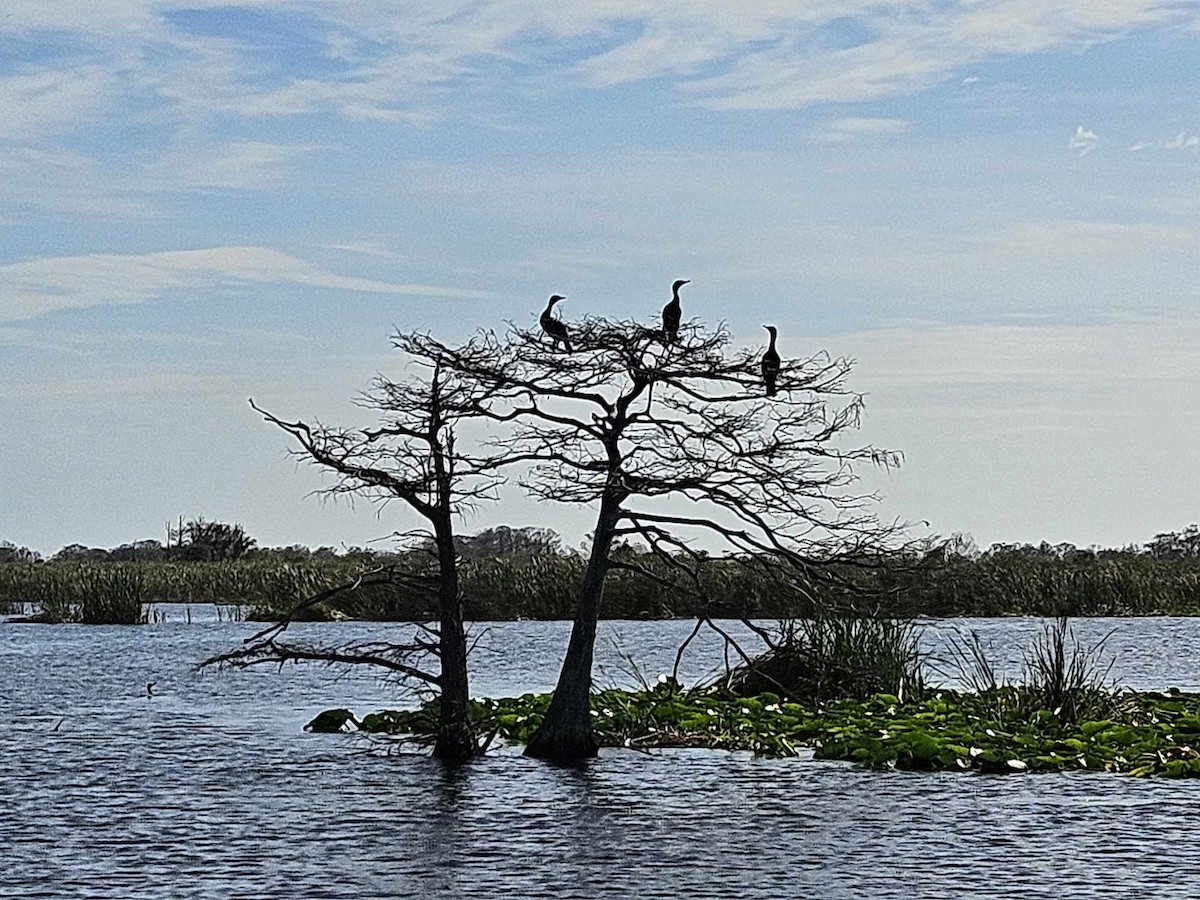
[(1144, 733)]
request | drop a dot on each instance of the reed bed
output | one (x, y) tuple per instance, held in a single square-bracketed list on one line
[(544, 587)]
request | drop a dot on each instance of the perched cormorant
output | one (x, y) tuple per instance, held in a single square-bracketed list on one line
[(672, 313), (770, 363), (554, 328)]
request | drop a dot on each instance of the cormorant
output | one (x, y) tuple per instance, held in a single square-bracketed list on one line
[(554, 328), (672, 313), (770, 363)]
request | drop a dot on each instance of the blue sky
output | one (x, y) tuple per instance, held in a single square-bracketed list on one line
[(992, 205)]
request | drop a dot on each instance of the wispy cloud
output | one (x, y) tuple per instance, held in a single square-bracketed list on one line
[(363, 248), (1181, 141), (29, 289), (40, 103), (240, 165), (401, 61), (1083, 141), (841, 131)]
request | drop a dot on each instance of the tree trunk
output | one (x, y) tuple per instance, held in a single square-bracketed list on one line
[(456, 737), (565, 735)]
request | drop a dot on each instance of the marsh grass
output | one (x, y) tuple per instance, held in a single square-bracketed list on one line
[(1061, 674), (833, 657), (110, 594), (544, 586), (1066, 676)]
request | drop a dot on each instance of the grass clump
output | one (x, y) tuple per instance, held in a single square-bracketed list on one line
[(100, 594), (1061, 675), (829, 657)]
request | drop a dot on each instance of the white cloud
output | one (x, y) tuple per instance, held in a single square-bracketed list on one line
[(401, 61), (40, 103), (1181, 141), (363, 248), (1083, 141), (233, 164), (840, 131), (29, 289)]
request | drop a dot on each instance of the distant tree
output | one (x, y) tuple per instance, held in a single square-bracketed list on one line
[(11, 553), (79, 553), (291, 553), (1176, 544), (505, 541), (200, 540), (140, 551)]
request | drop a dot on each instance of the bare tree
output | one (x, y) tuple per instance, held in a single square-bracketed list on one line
[(412, 457), (670, 441)]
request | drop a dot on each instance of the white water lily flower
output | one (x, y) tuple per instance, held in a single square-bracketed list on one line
[(663, 679), (711, 712), (745, 710), (989, 732), (884, 734), (593, 712), (609, 713), (891, 710), (773, 707), (1017, 765), (962, 763), (974, 752)]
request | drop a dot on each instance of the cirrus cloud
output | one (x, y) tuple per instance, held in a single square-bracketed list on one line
[(35, 287)]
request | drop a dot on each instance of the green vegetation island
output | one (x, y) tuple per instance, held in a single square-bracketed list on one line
[(855, 690)]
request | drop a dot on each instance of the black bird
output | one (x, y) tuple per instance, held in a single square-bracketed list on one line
[(672, 313), (770, 363), (554, 328)]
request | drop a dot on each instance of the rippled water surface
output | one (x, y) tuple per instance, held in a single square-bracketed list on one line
[(211, 789)]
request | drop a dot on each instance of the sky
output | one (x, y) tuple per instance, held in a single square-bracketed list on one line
[(992, 205)]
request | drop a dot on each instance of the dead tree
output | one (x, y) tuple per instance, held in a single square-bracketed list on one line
[(413, 458), (668, 442)]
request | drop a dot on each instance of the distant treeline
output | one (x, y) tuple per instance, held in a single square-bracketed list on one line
[(510, 573)]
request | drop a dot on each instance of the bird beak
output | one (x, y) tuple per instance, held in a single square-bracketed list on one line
[(688, 281)]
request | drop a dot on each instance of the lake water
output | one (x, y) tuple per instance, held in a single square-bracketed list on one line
[(210, 788)]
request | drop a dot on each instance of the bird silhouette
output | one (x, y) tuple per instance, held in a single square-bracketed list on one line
[(552, 326), (672, 313), (770, 363)]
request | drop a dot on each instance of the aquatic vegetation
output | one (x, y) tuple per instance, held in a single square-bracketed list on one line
[(834, 657), (1145, 734), (1004, 581), (91, 594)]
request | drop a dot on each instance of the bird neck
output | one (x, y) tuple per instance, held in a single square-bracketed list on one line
[(772, 334)]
